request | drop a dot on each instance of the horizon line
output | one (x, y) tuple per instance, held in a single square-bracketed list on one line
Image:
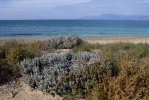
[(79, 19)]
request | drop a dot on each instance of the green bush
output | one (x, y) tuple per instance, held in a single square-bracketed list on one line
[(11, 53), (2, 53), (17, 54)]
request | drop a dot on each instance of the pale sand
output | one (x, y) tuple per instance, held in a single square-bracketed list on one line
[(106, 40), (18, 90)]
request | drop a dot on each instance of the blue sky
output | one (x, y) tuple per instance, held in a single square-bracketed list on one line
[(70, 9)]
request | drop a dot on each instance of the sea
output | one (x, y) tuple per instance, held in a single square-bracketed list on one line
[(82, 28)]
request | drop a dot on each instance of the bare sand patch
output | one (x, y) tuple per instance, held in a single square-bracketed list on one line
[(18, 90)]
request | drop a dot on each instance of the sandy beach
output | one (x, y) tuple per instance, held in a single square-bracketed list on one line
[(115, 39), (94, 40)]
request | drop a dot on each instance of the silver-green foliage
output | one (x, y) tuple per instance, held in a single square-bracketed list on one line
[(62, 42), (47, 72)]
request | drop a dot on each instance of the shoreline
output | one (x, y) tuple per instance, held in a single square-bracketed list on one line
[(90, 39), (116, 39)]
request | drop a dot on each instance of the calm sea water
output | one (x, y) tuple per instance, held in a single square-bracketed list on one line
[(83, 28)]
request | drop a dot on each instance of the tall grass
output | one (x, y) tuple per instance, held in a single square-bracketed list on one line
[(11, 53), (132, 81)]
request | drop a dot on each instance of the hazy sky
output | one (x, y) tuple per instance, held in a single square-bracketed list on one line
[(70, 9)]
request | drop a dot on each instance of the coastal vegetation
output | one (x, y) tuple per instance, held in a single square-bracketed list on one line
[(132, 71), (101, 71), (11, 53)]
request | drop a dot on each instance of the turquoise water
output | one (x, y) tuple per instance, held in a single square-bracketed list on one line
[(83, 28)]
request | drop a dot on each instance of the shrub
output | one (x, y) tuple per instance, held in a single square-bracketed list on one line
[(58, 73), (70, 73), (2, 53), (11, 53), (62, 42), (130, 70), (7, 72), (131, 83), (16, 54)]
